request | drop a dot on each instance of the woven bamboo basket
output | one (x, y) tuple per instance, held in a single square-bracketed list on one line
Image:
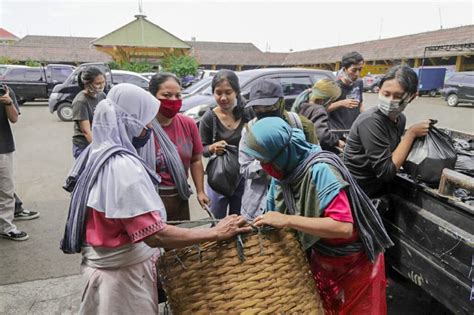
[(258, 273)]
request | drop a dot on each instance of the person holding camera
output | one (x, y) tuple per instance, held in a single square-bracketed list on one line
[(9, 112)]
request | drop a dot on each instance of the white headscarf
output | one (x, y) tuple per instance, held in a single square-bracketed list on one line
[(123, 188)]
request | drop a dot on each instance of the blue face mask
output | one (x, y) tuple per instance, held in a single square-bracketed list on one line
[(139, 142)]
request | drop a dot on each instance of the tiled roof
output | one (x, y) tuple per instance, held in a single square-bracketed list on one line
[(141, 33), (6, 35), (55, 41), (409, 46), (79, 49), (54, 54)]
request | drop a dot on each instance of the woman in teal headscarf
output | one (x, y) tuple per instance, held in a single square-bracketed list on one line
[(313, 193)]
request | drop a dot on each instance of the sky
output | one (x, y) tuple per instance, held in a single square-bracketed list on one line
[(276, 26)]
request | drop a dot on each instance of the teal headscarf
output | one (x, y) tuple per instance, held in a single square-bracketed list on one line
[(273, 140), (313, 178)]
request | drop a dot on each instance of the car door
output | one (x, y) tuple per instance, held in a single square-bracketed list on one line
[(36, 81), (466, 88)]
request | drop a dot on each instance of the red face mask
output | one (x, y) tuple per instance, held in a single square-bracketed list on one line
[(169, 108), (270, 170)]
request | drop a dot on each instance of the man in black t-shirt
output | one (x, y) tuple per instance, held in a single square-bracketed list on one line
[(344, 111), (9, 112)]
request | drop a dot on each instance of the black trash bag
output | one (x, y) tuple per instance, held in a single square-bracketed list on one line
[(429, 155), (465, 161), (223, 171)]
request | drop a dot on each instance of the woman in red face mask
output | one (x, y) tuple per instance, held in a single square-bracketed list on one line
[(178, 149)]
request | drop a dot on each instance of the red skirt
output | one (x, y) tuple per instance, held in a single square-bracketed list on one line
[(350, 284)]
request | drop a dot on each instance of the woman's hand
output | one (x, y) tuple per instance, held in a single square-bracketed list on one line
[(230, 226), (273, 218), (203, 199), (218, 147)]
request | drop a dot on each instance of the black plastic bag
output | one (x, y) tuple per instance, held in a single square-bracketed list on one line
[(465, 161), (429, 155), (223, 171)]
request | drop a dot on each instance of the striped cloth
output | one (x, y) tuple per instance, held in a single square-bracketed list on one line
[(368, 221), (80, 181)]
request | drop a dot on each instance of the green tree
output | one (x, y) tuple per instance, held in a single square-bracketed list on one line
[(180, 65), (139, 66), (32, 63), (7, 61)]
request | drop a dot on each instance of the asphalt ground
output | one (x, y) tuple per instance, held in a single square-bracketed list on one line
[(43, 159)]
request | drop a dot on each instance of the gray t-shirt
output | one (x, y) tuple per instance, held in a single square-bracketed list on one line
[(343, 118), (7, 145), (83, 107)]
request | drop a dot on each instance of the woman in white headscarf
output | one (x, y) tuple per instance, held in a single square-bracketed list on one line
[(116, 219)]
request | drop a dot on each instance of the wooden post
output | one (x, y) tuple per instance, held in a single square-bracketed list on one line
[(459, 63), (213, 67), (416, 63), (238, 68), (337, 66)]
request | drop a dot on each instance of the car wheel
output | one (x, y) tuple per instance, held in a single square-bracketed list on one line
[(65, 111), (452, 100), (433, 93)]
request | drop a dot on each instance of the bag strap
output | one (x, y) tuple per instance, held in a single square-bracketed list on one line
[(214, 126), (295, 120)]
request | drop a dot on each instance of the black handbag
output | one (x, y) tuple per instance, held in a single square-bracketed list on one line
[(223, 171)]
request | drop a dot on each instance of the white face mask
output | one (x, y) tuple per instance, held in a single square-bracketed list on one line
[(391, 108), (347, 77)]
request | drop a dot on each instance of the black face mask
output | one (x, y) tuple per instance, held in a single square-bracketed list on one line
[(138, 142), (273, 113)]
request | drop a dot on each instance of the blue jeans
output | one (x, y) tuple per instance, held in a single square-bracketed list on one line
[(220, 203)]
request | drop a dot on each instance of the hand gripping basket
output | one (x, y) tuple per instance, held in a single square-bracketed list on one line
[(263, 272)]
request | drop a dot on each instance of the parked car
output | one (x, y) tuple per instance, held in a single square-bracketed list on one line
[(202, 74), (459, 88), (122, 76), (430, 80), (292, 80), (371, 82), (63, 94), (196, 87), (30, 83), (148, 75)]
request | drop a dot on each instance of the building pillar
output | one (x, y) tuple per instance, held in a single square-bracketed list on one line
[(337, 66), (459, 63), (213, 67), (417, 63), (238, 68)]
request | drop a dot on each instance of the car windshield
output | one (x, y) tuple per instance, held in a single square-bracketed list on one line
[(196, 86), (243, 79)]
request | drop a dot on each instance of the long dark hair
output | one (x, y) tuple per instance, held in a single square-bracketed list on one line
[(233, 79), (405, 76), (158, 79), (87, 76)]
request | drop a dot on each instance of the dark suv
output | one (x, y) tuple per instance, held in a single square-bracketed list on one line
[(293, 81), (30, 83), (459, 88)]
